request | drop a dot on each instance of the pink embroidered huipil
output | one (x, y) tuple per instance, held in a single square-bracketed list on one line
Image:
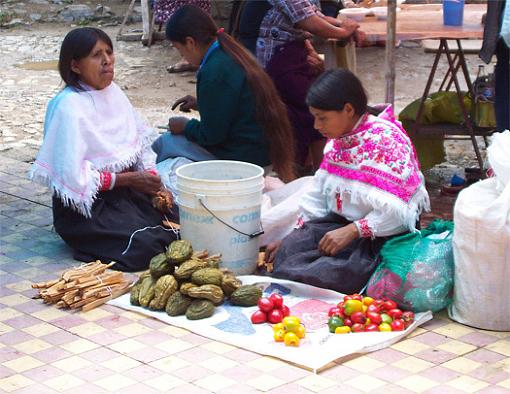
[(370, 176)]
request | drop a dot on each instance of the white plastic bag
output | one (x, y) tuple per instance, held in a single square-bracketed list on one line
[(280, 209), (481, 246)]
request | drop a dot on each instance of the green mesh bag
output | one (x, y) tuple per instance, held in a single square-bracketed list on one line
[(417, 269)]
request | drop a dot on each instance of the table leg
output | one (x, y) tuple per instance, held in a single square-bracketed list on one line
[(465, 70), (329, 55), (145, 20), (467, 119), (429, 84)]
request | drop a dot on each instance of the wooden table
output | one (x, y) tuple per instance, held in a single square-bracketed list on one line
[(419, 22)]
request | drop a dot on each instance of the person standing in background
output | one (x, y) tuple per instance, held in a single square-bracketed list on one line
[(496, 41), (163, 11), (280, 41)]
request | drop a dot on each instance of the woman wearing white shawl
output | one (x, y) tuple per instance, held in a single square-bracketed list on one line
[(369, 187), (96, 158)]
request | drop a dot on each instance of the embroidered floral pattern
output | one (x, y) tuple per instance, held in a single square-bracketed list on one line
[(364, 229), (378, 152)]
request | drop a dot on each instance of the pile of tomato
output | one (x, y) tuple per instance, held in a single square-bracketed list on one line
[(290, 331), (271, 309), (365, 314)]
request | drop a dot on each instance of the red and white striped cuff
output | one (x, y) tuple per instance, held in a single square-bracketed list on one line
[(364, 229), (107, 180)]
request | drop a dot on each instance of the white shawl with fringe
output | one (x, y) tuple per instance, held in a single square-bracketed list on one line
[(86, 132)]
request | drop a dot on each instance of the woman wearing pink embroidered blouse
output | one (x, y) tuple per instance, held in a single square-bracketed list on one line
[(96, 157), (369, 187)]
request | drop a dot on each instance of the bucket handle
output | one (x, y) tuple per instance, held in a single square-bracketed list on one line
[(251, 236)]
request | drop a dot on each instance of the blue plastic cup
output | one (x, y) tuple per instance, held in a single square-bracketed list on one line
[(453, 12)]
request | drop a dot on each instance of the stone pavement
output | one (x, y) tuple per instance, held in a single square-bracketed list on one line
[(46, 350)]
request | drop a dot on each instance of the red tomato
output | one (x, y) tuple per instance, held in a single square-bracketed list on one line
[(372, 328), (408, 318), (389, 305), (357, 296), (334, 311), (374, 317), (347, 322), (373, 308), (358, 317), (275, 316), (347, 297), (285, 310), (277, 300), (258, 317), (265, 304), (395, 313), (397, 325), (378, 303), (357, 327), (340, 305)]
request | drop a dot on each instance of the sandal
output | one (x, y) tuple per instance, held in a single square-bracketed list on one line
[(451, 191), (181, 67)]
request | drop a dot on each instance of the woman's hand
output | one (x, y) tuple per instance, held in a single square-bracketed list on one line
[(313, 58), (350, 25), (334, 241), (163, 201), (271, 251), (177, 124), (187, 103), (144, 182)]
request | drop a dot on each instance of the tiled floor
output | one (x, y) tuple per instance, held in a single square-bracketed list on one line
[(45, 350)]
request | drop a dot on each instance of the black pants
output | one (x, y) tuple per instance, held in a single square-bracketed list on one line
[(116, 214), (502, 74)]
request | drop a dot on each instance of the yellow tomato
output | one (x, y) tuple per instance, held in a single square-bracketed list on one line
[(291, 323), (352, 306), (301, 332), (279, 335), (364, 308), (343, 330), (291, 339), (367, 300), (278, 326), (384, 327)]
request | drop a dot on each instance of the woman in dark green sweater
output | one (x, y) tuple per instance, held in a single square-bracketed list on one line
[(241, 114)]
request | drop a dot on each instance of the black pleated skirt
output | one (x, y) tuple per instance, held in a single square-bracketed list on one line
[(299, 259), (116, 215)]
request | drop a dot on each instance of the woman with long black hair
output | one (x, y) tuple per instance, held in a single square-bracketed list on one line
[(241, 114), (369, 187)]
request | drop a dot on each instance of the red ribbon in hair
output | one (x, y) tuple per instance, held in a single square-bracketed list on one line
[(220, 30)]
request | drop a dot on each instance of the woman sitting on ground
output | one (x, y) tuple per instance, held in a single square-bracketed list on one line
[(241, 115), (97, 159), (369, 187)]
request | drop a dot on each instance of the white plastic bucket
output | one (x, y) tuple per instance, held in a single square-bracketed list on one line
[(219, 200)]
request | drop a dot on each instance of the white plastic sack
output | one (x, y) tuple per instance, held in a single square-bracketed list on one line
[(280, 209), (481, 246)]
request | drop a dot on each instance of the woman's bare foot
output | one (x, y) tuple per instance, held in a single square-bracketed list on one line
[(180, 67)]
